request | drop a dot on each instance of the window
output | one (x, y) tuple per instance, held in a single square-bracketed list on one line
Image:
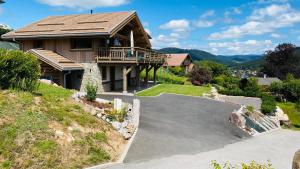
[(38, 44), (104, 73), (81, 44)]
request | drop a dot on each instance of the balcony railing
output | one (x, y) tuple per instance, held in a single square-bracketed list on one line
[(129, 55)]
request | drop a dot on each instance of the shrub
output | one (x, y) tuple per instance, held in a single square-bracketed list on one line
[(252, 165), (18, 70), (268, 104), (232, 92), (179, 71), (297, 105), (251, 88), (91, 91), (200, 76)]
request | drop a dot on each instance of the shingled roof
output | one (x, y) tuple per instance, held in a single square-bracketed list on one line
[(57, 61), (176, 59), (75, 25)]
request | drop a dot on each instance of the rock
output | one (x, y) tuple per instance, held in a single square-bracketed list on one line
[(46, 81), (281, 115), (116, 125), (70, 128), (99, 115), (93, 112), (104, 117), (127, 136), (124, 124), (99, 100), (70, 139), (238, 120), (59, 133), (99, 111), (296, 160), (108, 120)]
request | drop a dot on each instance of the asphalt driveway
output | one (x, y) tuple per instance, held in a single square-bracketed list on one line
[(173, 125)]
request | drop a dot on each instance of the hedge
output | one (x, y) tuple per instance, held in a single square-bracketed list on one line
[(18, 70), (268, 104)]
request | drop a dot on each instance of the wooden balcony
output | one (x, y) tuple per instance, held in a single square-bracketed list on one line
[(129, 55)]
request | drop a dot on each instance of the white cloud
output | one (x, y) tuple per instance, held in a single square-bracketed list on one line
[(85, 4), (264, 20), (241, 47), (275, 35), (171, 40), (176, 25), (204, 22)]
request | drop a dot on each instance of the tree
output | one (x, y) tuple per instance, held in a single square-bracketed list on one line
[(216, 68), (281, 61), (200, 76)]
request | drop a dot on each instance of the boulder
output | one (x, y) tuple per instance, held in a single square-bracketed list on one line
[(281, 115), (116, 125), (238, 120), (99, 111), (296, 160), (99, 115), (59, 133), (104, 117), (125, 124), (99, 100), (93, 112)]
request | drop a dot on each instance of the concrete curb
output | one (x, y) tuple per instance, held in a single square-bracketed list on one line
[(137, 111)]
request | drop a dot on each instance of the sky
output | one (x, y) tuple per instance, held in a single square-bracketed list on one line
[(222, 27)]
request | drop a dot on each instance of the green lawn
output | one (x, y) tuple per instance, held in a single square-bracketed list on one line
[(292, 112), (188, 90)]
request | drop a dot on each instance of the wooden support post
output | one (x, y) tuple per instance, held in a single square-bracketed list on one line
[(124, 80), (148, 68), (154, 74), (125, 73)]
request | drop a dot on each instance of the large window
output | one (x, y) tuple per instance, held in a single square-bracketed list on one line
[(81, 43)]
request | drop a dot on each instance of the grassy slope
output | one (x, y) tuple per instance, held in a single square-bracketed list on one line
[(292, 112), (27, 130), (175, 89)]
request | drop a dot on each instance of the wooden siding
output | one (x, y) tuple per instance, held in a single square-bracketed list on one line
[(63, 47), (49, 71)]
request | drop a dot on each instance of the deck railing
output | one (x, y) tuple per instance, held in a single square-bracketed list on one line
[(128, 54)]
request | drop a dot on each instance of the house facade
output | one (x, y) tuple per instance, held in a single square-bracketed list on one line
[(108, 50), (179, 60)]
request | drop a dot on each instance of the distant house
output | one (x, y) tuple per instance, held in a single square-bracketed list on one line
[(183, 60), (108, 49), (9, 45), (267, 81)]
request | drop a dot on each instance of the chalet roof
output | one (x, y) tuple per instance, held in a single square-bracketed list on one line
[(74, 25), (176, 59), (267, 81), (55, 60)]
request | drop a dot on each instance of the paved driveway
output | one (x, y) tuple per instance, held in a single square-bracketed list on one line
[(172, 125)]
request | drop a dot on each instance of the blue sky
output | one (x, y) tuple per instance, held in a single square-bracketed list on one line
[(219, 26)]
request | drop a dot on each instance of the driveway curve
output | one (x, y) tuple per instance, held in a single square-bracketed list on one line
[(174, 124)]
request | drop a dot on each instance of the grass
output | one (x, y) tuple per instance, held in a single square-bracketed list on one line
[(294, 114), (28, 136), (188, 90)]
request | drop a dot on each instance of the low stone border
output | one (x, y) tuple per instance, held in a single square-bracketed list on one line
[(136, 121)]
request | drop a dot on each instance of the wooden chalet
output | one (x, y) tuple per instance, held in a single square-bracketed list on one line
[(107, 49)]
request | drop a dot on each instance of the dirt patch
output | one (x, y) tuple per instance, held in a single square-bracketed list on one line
[(97, 104)]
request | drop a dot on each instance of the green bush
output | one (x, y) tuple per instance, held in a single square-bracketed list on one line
[(179, 71), (268, 104), (163, 76), (91, 92), (232, 92), (251, 88), (290, 89), (18, 70), (297, 105), (252, 165)]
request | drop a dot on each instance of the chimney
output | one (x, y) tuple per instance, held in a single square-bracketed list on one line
[(265, 76), (92, 11)]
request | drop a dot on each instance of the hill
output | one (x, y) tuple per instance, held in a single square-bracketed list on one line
[(233, 61), (48, 129), (195, 54)]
